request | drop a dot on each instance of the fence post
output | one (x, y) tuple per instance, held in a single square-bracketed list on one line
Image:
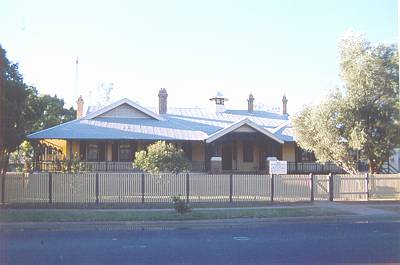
[(142, 187), (312, 186), (367, 184), (50, 187), (272, 187), (187, 188), (331, 187), (230, 187), (3, 187), (97, 187)]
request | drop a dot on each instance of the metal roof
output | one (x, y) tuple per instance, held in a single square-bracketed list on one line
[(177, 124)]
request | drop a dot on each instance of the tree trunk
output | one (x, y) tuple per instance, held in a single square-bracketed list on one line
[(4, 157)]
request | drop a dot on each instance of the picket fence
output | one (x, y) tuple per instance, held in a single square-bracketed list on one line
[(139, 188)]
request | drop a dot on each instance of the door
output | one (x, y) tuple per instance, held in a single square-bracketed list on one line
[(227, 156)]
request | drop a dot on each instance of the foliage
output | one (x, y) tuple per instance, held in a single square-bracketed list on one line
[(44, 111), (23, 111), (360, 121), (50, 111), (180, 204), (161, 157), (73, 165), (12, 101), (23, 157)]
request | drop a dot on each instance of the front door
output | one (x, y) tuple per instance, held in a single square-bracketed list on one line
[(227, 156)]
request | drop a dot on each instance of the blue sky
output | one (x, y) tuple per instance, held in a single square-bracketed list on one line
[(192, 48)]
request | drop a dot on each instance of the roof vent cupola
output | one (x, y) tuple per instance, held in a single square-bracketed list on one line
[(162, 101), (250, 103), (284, 105), (219, 102)]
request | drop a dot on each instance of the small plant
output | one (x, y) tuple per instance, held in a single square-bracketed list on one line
[(180, 204)]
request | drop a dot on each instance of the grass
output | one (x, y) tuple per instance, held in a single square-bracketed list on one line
[(393, 208), (162, 215)]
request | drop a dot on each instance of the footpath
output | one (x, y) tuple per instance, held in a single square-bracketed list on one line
[(347, 212)]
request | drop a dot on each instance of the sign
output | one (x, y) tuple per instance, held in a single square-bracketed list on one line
[(278, 167)]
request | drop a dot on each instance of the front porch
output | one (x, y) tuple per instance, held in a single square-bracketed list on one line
[(240, 151)]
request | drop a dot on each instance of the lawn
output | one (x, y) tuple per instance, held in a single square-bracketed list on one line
[(393, 208), (161, 215)]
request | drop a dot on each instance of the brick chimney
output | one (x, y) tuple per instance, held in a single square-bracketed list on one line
[(162, 101), (250, 105), (284, 105), (79, 110)]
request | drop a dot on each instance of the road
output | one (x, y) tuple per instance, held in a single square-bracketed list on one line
[(307, 243)]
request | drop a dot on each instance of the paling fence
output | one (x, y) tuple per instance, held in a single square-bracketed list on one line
[(138, 188)]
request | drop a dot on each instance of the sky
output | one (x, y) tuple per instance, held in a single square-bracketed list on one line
[(191, 48)]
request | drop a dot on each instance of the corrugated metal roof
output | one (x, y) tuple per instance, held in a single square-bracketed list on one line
[(177, 124)]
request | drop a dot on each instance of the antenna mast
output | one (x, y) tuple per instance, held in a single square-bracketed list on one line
[(76, 78)]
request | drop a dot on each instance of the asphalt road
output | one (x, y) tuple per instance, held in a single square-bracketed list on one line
[(307, 243)]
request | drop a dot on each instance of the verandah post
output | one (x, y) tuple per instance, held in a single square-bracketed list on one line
[(142, 187), (50, 187), (187, 188), (230, 187), (312, 186)]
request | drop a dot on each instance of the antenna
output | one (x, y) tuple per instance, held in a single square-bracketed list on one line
[(76, 77)]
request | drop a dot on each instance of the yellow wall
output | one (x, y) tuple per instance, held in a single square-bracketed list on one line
[(75, 148), (197, 151), (246, 166), (62, 144), (289, 152), (109, 151)]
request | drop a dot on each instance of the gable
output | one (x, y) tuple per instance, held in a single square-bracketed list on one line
[(123, 108), (124, 111), (245, 128), (244, 124)]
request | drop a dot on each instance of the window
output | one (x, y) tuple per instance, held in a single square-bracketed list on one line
[(82, 150), (93, 152), (248, 151), (125, 153), (187, 149)]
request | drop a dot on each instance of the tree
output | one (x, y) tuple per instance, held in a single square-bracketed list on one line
[(12, 102), (23, 111), (361, 120), (161, 157), (50, 111)]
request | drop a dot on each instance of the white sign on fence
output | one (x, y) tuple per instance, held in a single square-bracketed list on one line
[(278, 167)]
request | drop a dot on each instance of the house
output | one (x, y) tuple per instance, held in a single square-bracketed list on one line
[(109, 137)]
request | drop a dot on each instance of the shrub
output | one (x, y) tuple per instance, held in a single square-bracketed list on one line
[(161, 157), (180, 204)]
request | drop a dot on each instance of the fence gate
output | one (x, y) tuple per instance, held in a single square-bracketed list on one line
[(321, 187)]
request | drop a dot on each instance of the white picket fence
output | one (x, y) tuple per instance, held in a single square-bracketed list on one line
[(103, 188)]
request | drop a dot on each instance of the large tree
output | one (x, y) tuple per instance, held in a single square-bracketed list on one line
[(361, 119), (23, 110), (47, 110), (12, 102)]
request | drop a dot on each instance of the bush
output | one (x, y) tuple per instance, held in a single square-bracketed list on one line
[(180, 204), (161, 157)]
